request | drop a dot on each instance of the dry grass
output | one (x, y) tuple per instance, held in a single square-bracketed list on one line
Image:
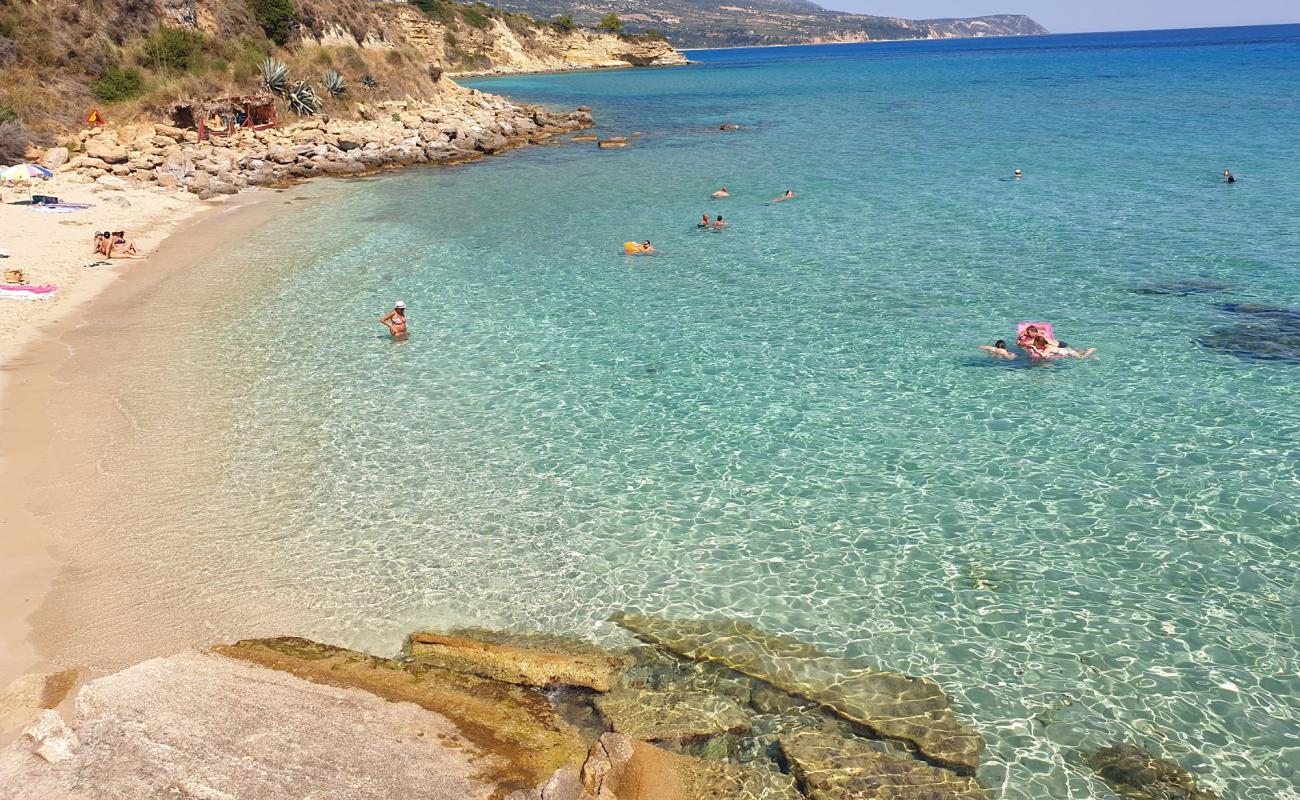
[(63, 46)]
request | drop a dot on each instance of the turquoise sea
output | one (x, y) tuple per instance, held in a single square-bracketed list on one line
[(789, 422)]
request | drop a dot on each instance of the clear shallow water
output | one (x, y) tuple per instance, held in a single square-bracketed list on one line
[(788, 422)]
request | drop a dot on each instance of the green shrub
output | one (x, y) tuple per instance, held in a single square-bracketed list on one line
[(437, 10), (278, 18), (610, 22), (473, 16), (449, 38), (117, 84), (7, 114), (173, 49), (564, 23)]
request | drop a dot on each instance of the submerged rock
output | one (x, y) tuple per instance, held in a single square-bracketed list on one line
[(1137, 774), (834, 768), (515, 723), (621, 768), (891, 705), (1268, 333), (592, 669), (1181, 288), (656, 716)]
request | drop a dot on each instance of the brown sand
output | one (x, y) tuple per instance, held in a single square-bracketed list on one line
[(62, 405)]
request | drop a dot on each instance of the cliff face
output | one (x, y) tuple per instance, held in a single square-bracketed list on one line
[(993, 25), (501, 48), (719, 23), (137, 58)]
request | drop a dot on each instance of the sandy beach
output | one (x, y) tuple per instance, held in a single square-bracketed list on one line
[(36, 341)]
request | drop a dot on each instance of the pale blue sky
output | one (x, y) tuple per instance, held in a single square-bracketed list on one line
[(1065, 16)]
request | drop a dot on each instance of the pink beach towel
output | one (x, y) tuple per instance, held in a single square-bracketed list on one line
[(20, 292)]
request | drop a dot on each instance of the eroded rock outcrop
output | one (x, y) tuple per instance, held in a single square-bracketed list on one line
[(459, 125), (204, 726), (913, 710), (835, 768), (515, 723), (590, 668), (1137, 774)]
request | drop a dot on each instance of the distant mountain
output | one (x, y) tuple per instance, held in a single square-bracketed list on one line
[(723, 23)]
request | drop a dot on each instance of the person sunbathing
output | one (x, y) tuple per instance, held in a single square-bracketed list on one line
[(121, 247), (999, 349)]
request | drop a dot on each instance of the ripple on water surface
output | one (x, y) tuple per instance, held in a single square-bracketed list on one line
[(786, 422)]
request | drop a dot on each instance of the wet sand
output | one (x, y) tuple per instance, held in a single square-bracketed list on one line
[(69, 398)]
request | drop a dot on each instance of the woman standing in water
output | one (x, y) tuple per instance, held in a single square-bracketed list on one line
[(395, 321)]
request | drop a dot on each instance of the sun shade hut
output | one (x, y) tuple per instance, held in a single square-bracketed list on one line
[(222, 116)]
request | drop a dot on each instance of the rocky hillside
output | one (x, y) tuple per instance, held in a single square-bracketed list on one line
[(725, 23), (134, 59)]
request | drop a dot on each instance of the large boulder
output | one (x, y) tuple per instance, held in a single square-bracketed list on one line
[(491, 143), (553, 664), (671, 716), (106, 150), (204, 726), (514, 723), (893, 706), (834, 768), (1135, 773), (56, 157)]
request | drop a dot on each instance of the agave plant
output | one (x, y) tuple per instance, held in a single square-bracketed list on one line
[(302, 99), (370, 81), (275, 75), (334, 82)]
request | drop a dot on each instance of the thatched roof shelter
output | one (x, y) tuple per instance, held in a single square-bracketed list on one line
[(222, 116)]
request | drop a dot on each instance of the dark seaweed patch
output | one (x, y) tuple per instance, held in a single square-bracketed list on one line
[(1182, 288), (1269, 333)]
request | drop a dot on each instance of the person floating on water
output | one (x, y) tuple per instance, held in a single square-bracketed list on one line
[(720, 194), (789, 193), (999, 349), (1019, 174), (1228, 177), (1035, 340), (704, 221), (718, 223), (395, 321)]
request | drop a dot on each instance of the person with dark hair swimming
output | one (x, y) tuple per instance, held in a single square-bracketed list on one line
[(998, 349), (719, 224), (1228, 177)]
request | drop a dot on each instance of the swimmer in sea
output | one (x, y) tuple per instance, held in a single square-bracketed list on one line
[(1019, 174), (395, 321), (999, 349), (720, 194), (1036, 342), (789, 193), (704, 221), (646, 248), (1228, 177), (718, 223)]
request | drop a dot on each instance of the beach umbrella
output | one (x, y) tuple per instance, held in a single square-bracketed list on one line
[(23, 173)]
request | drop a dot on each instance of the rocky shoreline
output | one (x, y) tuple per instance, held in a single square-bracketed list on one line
[(463, 125), (702, 709)]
